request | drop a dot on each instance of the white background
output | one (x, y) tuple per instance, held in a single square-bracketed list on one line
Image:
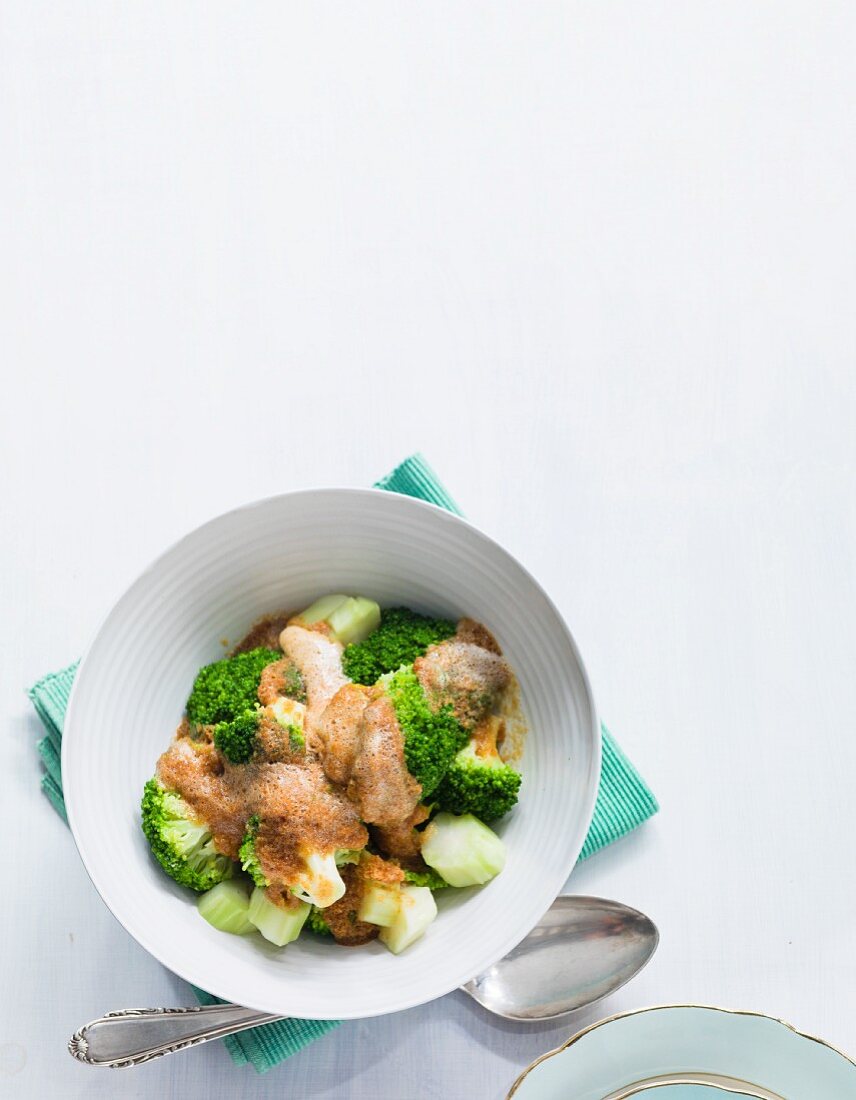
[(596, 260)]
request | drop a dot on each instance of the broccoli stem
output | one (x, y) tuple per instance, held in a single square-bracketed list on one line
[(225, 907), (463, 850), (417, 910), (277, 924)]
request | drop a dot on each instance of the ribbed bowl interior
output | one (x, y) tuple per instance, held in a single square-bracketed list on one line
[(281, 553)]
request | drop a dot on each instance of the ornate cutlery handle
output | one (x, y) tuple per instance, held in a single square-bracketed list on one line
[(136, 1035)]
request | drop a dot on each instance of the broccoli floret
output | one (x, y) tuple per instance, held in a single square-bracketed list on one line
[(227, 688), (315, 922), (318, 884), (240, 739), (431, 738), (292, 684), (478, 782), (247, 853), (428, 878), (180, 843), (403, 635), (237, 739)]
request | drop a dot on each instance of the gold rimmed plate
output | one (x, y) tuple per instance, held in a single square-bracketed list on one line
[(689, 1052)]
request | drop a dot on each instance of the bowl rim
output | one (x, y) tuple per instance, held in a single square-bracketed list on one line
[(718, 1009), (396, 500)]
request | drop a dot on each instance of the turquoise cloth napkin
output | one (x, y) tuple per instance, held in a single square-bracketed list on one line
[(623, 800)]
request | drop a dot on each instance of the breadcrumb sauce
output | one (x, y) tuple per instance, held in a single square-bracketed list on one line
[(353, 771)]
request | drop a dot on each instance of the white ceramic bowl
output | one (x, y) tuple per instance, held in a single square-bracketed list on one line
[(282, 553)]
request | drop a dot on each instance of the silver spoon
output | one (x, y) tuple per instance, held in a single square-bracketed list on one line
[(581, 950)]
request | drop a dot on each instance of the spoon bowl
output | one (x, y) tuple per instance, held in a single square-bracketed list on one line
[(581, 950)]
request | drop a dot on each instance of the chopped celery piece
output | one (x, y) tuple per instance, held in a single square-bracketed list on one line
[(225, 906), (462, 849), (380, 903), (322, 608), (278, 925), (353, 620), (416, 912)]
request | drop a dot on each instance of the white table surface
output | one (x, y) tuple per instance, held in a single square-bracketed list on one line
[(596, 260)]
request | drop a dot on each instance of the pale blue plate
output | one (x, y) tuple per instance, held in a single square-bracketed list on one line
[(689, 1052)]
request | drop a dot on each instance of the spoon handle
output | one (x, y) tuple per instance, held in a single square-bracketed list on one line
[(136, 1035)]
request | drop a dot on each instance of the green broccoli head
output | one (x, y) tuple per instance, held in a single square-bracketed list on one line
[(260, 734), (478, 783), (431, 738), (429, 878), (315, 922), (296, 738), (247, 853), (292, 684), (180, 843), (319, 881), (228, 688), (403, 635), (237, 739)]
